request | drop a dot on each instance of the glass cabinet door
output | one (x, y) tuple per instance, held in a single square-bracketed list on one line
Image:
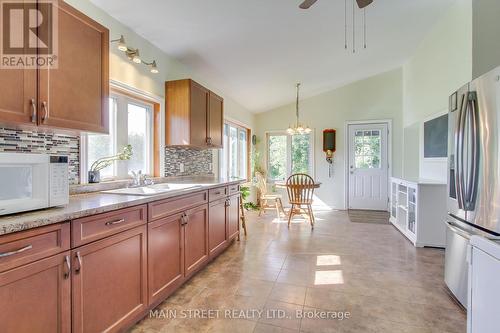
[(412, 209), (394, 199)]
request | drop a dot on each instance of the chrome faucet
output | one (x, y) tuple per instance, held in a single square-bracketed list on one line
[(140, 179)]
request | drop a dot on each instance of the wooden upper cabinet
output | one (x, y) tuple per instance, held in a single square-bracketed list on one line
[(74, 95), (18, 96), (37, 297), (215, 120), (190, 120)]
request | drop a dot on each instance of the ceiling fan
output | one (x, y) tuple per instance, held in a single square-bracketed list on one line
[(361, 3)]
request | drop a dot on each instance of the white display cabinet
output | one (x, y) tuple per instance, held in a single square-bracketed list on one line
[(418, 211)]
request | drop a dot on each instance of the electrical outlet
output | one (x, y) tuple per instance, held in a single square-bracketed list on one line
[(181, 167)]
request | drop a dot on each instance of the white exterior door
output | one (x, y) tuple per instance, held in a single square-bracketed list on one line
[(368, 166)]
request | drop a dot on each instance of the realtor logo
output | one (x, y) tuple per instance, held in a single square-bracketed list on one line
[(28, 36)]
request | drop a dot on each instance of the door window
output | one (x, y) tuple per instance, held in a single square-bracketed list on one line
[(367, 149)]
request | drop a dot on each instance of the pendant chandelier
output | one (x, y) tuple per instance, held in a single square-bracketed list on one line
[(298, 128)]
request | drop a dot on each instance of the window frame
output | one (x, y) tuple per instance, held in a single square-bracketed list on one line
[(240, 127), (312, 166), (125, 96)]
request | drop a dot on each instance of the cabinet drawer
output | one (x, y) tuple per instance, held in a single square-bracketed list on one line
[(233, 189), (217, 193), (92, 228), (28, 246), (171, 206)]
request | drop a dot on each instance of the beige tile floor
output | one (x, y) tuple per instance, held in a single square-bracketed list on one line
[(368, 270)]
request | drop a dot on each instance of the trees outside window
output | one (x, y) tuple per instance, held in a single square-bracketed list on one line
[(289, 154)]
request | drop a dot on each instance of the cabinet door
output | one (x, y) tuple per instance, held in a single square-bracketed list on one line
[(199, 111), (165, 257), (196, 240), (233, 216), (215, 120), (217, 226), (18, 96), (109, 282), (74, 95), (37, 297)]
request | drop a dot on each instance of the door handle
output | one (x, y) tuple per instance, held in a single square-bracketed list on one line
[(46, 113), (79, 260), (33, 110), (11, 253), (68, 267)]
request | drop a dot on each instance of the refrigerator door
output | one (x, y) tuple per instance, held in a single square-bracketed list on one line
[(481, 153), (455, 149)]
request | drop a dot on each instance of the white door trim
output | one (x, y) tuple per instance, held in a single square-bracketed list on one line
[(346, 154)]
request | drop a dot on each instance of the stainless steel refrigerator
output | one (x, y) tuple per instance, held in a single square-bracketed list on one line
[(473, 174)]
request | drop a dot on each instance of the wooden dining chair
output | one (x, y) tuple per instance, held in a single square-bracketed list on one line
[(266, 200), (300, 188)]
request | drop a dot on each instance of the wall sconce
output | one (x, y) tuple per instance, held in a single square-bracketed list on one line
[(134, 55)]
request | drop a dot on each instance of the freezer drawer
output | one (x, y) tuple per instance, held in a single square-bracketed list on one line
[(456, 266)]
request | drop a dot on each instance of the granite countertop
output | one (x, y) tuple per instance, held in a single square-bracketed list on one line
[(94, 203)]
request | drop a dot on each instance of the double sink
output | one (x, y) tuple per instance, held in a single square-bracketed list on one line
[(155, 189)]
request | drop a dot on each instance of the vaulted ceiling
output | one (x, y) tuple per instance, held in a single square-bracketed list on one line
[(256, 50)]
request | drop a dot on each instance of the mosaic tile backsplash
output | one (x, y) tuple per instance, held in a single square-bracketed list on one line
[(196, 162), (22, 141)]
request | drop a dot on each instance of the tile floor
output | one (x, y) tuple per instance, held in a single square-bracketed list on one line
[(367, 271)]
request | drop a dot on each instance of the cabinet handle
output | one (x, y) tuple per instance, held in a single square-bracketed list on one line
[(217, 193), (46, 113), (79, 258), (114, 222), (11, 253), (33, 110), (68, 267), (185, 219), (209, 140)]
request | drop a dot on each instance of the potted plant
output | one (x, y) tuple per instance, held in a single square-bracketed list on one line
[(104, 162)]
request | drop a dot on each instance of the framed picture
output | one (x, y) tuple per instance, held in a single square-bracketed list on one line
[(453, 102)]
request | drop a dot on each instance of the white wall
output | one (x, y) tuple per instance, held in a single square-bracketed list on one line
[(138, 76), (441, 64), (377, 97), (486, 32)]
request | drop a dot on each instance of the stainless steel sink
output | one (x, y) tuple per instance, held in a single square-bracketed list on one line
[(153, 189)]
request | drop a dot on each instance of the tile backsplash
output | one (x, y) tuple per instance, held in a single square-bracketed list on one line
[(22, 141), (196, 162)]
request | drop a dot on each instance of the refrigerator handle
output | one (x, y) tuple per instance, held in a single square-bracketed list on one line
[(472, 174), (459, 156), (458, 230)]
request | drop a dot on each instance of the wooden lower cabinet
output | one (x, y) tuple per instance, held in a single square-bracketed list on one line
[(37, 297), (109, 282), (233, 216), (217, 239), (165, 257), (195, 240)]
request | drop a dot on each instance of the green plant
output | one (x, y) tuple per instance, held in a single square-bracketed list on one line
[(245, 193), (104, 162), (250, 206)]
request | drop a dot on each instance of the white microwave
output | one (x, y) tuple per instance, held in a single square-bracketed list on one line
[(32, 181)]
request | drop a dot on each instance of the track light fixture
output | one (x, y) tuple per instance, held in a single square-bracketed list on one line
[(134, 55)]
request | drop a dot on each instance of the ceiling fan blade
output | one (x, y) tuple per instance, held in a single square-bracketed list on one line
[(307, 3), (363, 3)]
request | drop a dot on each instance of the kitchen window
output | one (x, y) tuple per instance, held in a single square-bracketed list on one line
[(234, 157), (289, 154), (130, 122)]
